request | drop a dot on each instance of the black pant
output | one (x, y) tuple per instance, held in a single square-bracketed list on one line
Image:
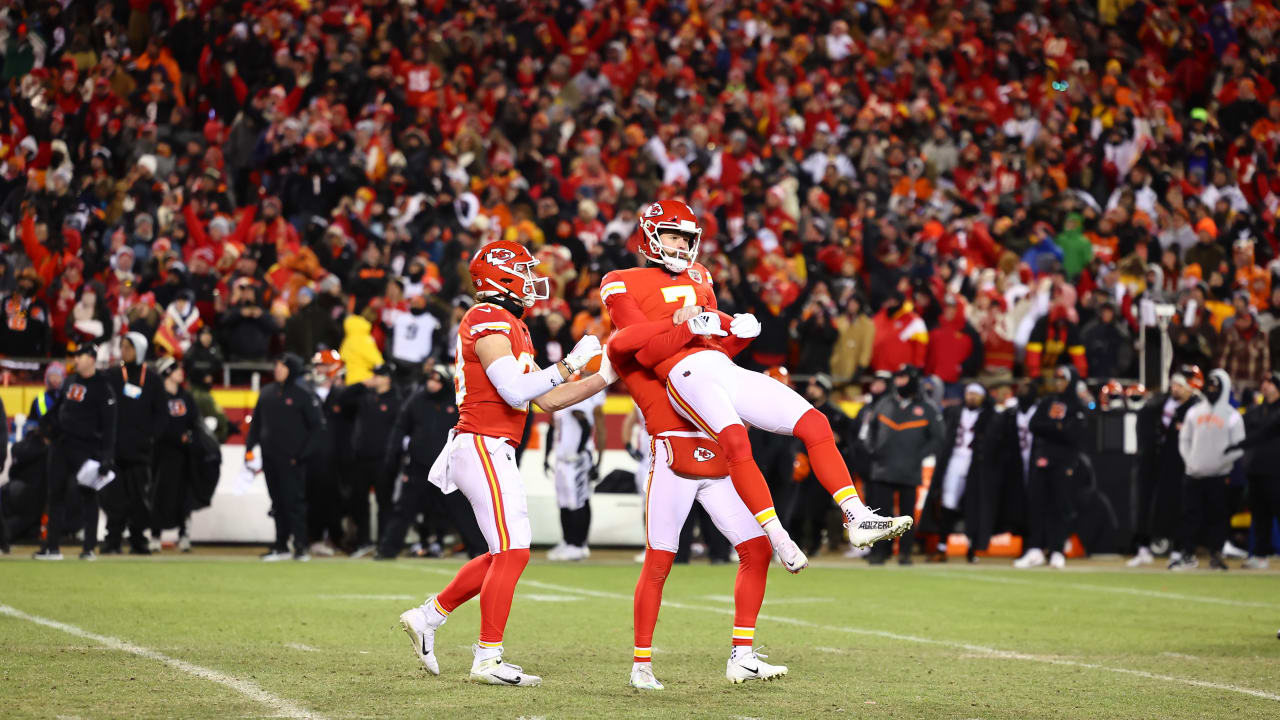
[(363, 473), (1264, 506), (286, 484), (127, 503), (882, 495), (325, 499), (413, 495), (1049, 504), (1204, 514), (65, 460), (717, 544)]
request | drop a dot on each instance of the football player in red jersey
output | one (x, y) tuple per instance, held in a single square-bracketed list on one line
[(709, 390), (687, 466), (495, 379)]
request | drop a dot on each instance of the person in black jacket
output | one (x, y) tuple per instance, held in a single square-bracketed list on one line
[(127, 500), (176, 439), (23, 497), (84, 429), (968, 475), (810, 504), (375, 404), (1161, 469), (904, 436), (4, 460), (1262, 466), (1057, 428), (287, 425), (329, 467), (420, 433)]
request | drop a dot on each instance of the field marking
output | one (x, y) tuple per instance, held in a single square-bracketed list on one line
[(831, 650), (278, 705), (387, 598), (989, 652), (769, 601), (1180, 656), (1158, 594), (301, 647)]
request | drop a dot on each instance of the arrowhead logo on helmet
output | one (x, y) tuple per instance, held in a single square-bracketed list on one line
[(504, 268), (663, 219)]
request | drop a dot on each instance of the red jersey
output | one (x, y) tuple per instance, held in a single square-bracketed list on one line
[(481, 410), (651, 293)]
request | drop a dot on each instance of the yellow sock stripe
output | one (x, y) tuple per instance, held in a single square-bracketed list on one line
[(495, 491), (643, 652), (439, 608), (845, 493), (697, 419), (766, 515), (743, 633), (489, 645)]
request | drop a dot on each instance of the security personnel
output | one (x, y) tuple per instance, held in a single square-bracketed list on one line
[(1057, 430), (129, 498), (288, 425), (904, 435), (375, 404), (84, 428), (421, 430)]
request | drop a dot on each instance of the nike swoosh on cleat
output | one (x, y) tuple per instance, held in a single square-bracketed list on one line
[(425, 651), (509, 682), (755, 670)]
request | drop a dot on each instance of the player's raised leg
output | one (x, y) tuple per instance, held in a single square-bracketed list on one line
[(734, 521), (698, 393), (770, 405)]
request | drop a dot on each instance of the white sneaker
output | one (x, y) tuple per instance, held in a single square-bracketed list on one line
[(1033, 558), (584, 551), (321, 549), (184, 544), (154, 545), (276, 556), (874, 528), (749, 666), (1057, 561), (1256, 563), (857, 553), (1182, 564), (557, 553), (496, 672), (642, 677), (1231, 551), (423, 636), (790, 555), (1143, 557), (639, 556)]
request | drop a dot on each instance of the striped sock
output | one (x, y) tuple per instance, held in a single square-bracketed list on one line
[(642, 655), (486, 650), (743, 635), (767, 516), (852, 505), (435, 612)]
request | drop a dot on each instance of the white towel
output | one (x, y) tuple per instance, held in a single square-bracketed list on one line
[(88, 476), (439, 473)]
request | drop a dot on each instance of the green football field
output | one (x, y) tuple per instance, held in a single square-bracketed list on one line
[(219, 635)]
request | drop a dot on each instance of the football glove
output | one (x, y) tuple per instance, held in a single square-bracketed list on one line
[(745, 326), (708, 323), (587, 348)]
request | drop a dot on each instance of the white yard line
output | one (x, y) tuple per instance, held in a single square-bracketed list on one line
[(301, 647), (279, 707), (1090, 587), (366, 597), (989, 652)]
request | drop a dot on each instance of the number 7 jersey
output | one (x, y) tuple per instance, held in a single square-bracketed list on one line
[(481, 410), (651, 293)]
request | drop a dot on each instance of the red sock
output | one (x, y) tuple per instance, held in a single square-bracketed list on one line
[(466, 584), (498, 589), (748, 592), (743, 471), (648, 599), (815, 432)]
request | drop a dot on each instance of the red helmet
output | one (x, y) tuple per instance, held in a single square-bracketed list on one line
[(505, 268), (779, 373), (669, 216), (1189, 375), (327, 364), (1112, 395), (1135, 395)]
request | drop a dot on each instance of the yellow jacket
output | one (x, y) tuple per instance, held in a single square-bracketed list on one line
[(359, 352)]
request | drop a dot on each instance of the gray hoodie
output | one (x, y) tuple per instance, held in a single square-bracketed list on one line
[(1208, 430)]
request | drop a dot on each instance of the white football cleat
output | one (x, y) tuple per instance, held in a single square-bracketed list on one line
[(1143, 557), (496, 672), (791, 556), (1231, 551), (874, 528), (423, 635), (750, 667), (1256, 563), (1058, 561), (642, 677), (1033, 558)]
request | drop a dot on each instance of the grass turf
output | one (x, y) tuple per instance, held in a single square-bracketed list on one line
[(936, 642)]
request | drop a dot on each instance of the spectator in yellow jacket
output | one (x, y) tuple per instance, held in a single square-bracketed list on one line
[(358, 350)]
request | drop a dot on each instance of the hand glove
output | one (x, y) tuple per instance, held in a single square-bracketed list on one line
[(745, 326), (606, 371), (634, 452), (708, 323), (253, 462), (587, 348)]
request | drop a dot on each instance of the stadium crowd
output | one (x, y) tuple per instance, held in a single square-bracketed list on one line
[(983, 190)]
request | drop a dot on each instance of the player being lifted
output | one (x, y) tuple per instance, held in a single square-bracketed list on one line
[(686, 465), (495, 379), (717, 396)]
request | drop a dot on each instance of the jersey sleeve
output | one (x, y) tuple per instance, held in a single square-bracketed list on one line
[(483, 320), (622, 306), (650, 342)]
